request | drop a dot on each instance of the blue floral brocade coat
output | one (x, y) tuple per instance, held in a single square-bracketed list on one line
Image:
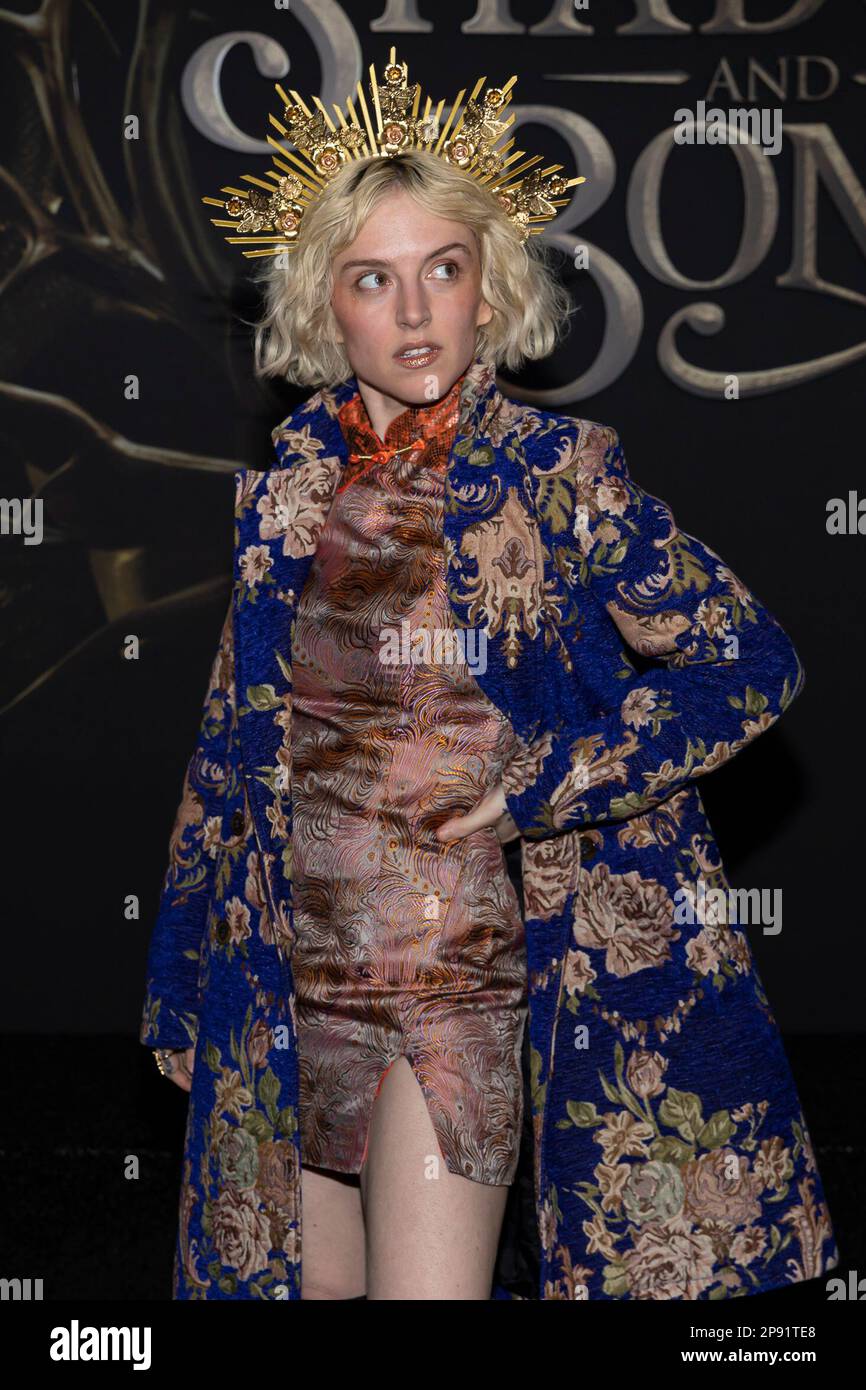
[(670, 1156)]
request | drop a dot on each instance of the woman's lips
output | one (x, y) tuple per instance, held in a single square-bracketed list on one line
[(417, 359)]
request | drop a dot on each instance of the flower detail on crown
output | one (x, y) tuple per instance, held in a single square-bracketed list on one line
[(267, 216)]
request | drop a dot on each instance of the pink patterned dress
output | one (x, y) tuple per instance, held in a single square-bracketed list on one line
[(405, 945)]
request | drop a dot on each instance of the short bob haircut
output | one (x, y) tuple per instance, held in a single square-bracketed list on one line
[(295, 338)]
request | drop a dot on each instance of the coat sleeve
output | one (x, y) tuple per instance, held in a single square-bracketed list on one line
[(720, 668), (170, 1013)]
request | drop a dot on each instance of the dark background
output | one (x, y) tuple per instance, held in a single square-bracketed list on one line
[(109, 267)]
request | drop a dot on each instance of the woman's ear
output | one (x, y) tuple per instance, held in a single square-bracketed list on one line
[(485, 314)]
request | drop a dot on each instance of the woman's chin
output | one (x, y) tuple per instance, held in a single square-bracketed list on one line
[(414, 383)]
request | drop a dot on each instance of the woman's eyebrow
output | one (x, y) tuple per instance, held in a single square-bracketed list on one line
[(371, 260)]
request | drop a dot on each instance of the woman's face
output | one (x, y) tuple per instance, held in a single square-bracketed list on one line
[(409, 279)]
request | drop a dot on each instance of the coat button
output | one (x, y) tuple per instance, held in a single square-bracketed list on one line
[(238, 823), (587, 846)]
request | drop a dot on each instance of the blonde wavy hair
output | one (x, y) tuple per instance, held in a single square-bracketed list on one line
[(295, 338)]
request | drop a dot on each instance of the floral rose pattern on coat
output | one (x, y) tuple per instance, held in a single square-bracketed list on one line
[(670, 1158), (683, 1205), (670, 597)]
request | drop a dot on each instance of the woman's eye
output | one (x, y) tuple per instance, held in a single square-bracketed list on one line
[(371, 275), (448, 265)]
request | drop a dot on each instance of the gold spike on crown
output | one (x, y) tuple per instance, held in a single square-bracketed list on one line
[(269, 214)]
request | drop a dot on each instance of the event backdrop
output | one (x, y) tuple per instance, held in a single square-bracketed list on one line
[(719, 326)]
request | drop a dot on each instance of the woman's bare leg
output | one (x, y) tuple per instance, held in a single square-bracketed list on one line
[(332, 1235), (430, 1233)]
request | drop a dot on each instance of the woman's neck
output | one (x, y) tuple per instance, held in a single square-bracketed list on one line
[(382, 409)]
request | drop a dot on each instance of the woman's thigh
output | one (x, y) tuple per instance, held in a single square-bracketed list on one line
[(430, 1234), (332, 1236)]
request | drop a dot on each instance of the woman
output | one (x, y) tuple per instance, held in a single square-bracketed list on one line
[(338, 935)]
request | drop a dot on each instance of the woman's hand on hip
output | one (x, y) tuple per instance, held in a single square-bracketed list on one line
[(491, 810)]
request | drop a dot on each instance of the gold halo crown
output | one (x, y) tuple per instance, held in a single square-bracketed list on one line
[(268, 217)]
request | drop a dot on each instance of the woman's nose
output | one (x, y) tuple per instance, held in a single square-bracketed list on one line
[(412, 311)]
